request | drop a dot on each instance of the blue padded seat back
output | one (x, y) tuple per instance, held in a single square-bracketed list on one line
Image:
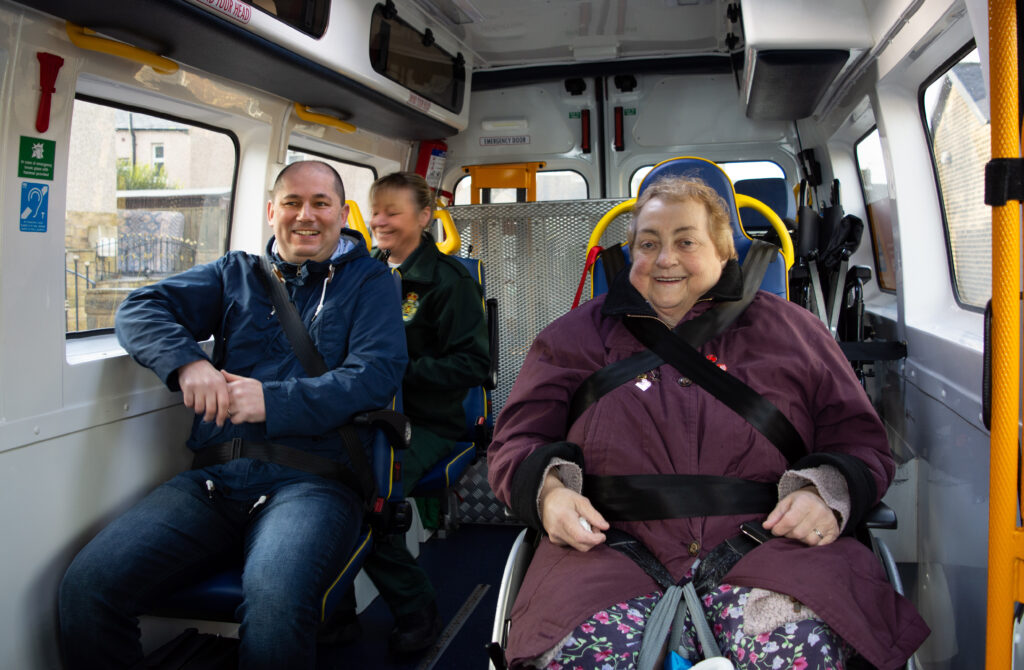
[(476, 404), (772, 191), (775, 279)]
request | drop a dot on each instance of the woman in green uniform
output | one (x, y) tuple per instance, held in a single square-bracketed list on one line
[(446, 334)]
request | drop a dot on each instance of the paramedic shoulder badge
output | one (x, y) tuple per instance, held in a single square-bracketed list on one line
[(410, 305)]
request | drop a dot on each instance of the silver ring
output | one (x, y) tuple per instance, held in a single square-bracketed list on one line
[(818, 533)]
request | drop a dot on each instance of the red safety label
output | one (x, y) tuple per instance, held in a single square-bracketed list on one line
[(235, 9)]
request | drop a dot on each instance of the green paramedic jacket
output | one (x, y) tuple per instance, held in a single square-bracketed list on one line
[(446, 333)]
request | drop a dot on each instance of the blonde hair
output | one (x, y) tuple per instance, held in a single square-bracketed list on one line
[(682, 189), (417, 186)]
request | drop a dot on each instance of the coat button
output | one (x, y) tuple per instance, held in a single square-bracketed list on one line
[(694, 548), (684, 381)]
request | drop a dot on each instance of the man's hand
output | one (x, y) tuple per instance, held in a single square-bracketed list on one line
[(245, 397), (803, 515), (205, 390), (561, 510)]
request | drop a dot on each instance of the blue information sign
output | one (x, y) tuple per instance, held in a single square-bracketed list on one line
[(35, 203)]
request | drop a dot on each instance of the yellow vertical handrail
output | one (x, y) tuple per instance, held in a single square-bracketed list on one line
[(1005, 540), (356, 222), (452, 241)]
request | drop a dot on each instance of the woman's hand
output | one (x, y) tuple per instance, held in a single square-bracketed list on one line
[(561, 509), (804, 516)]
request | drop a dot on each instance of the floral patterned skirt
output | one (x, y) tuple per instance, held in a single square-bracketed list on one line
[(610, 640)]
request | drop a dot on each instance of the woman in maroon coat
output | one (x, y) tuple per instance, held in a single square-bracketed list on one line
[(800, 600)]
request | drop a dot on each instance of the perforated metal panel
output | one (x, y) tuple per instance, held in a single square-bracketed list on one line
[(533, 256)]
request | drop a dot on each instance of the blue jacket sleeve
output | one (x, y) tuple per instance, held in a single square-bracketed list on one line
[(368, 377), (161, 325)]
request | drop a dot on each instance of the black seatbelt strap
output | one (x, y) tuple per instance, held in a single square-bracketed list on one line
[(745, 401), (650, 497), (314, 365), (695, 332)]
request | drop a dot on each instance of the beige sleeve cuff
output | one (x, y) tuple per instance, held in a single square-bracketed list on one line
[(570, 474), (831, 487)]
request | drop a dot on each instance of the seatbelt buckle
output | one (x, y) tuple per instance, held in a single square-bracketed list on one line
[(236, 448)]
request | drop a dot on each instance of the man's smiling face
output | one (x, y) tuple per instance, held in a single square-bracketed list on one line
[(307, 214)]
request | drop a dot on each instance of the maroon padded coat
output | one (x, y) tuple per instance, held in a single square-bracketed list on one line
[(781, 351)]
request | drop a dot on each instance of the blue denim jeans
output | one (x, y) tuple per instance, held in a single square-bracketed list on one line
[(294, 545)]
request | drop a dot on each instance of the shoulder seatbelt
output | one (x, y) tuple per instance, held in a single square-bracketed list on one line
[(745, 401), (696, 332), (314, 365)]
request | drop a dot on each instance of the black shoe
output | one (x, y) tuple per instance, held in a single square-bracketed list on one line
[(416, 631), (341, 630)]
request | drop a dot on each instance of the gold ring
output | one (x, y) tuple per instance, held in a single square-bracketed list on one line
[(818, 533)]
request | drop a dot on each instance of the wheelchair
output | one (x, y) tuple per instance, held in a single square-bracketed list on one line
[(775, 281)]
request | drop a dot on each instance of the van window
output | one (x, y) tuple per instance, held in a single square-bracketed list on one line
[(875, 186), (551, 185), (956, 116), (357, 178), (148, 197), (309, 16), (736, 170), (404, 55)]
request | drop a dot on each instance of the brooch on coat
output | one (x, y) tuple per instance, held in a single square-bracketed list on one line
[(410, 305)]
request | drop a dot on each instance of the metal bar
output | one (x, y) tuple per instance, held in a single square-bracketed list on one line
[(1006, 238), (453, 628), (76, 295)]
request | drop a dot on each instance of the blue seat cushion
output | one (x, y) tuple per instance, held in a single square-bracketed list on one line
[(446, 472)]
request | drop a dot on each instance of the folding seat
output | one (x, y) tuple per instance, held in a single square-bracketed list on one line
[(217, 597), (439, 481)]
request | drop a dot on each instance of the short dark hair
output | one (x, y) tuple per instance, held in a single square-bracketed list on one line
[(339, 186)]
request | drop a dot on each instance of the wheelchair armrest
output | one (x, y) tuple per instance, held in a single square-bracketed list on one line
[(395, 425), (880, 517)]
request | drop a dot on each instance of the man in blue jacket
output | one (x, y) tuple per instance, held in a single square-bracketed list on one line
[(294, 528)]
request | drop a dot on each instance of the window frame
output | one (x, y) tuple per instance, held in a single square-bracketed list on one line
[(650, 167), (586, 185), (871, 230), (319, 153), (226, 242), (940, 72)]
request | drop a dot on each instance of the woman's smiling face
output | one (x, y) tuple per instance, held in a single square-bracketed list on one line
[(674, 259)]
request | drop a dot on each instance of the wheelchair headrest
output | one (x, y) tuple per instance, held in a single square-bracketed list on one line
[(775, 280), (710, 174)]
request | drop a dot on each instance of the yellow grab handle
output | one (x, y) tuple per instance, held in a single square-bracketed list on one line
[(355, 222), (83, 38), (303, 113), (610, 215), (777, 224), (1005, 537), (452, 241)]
